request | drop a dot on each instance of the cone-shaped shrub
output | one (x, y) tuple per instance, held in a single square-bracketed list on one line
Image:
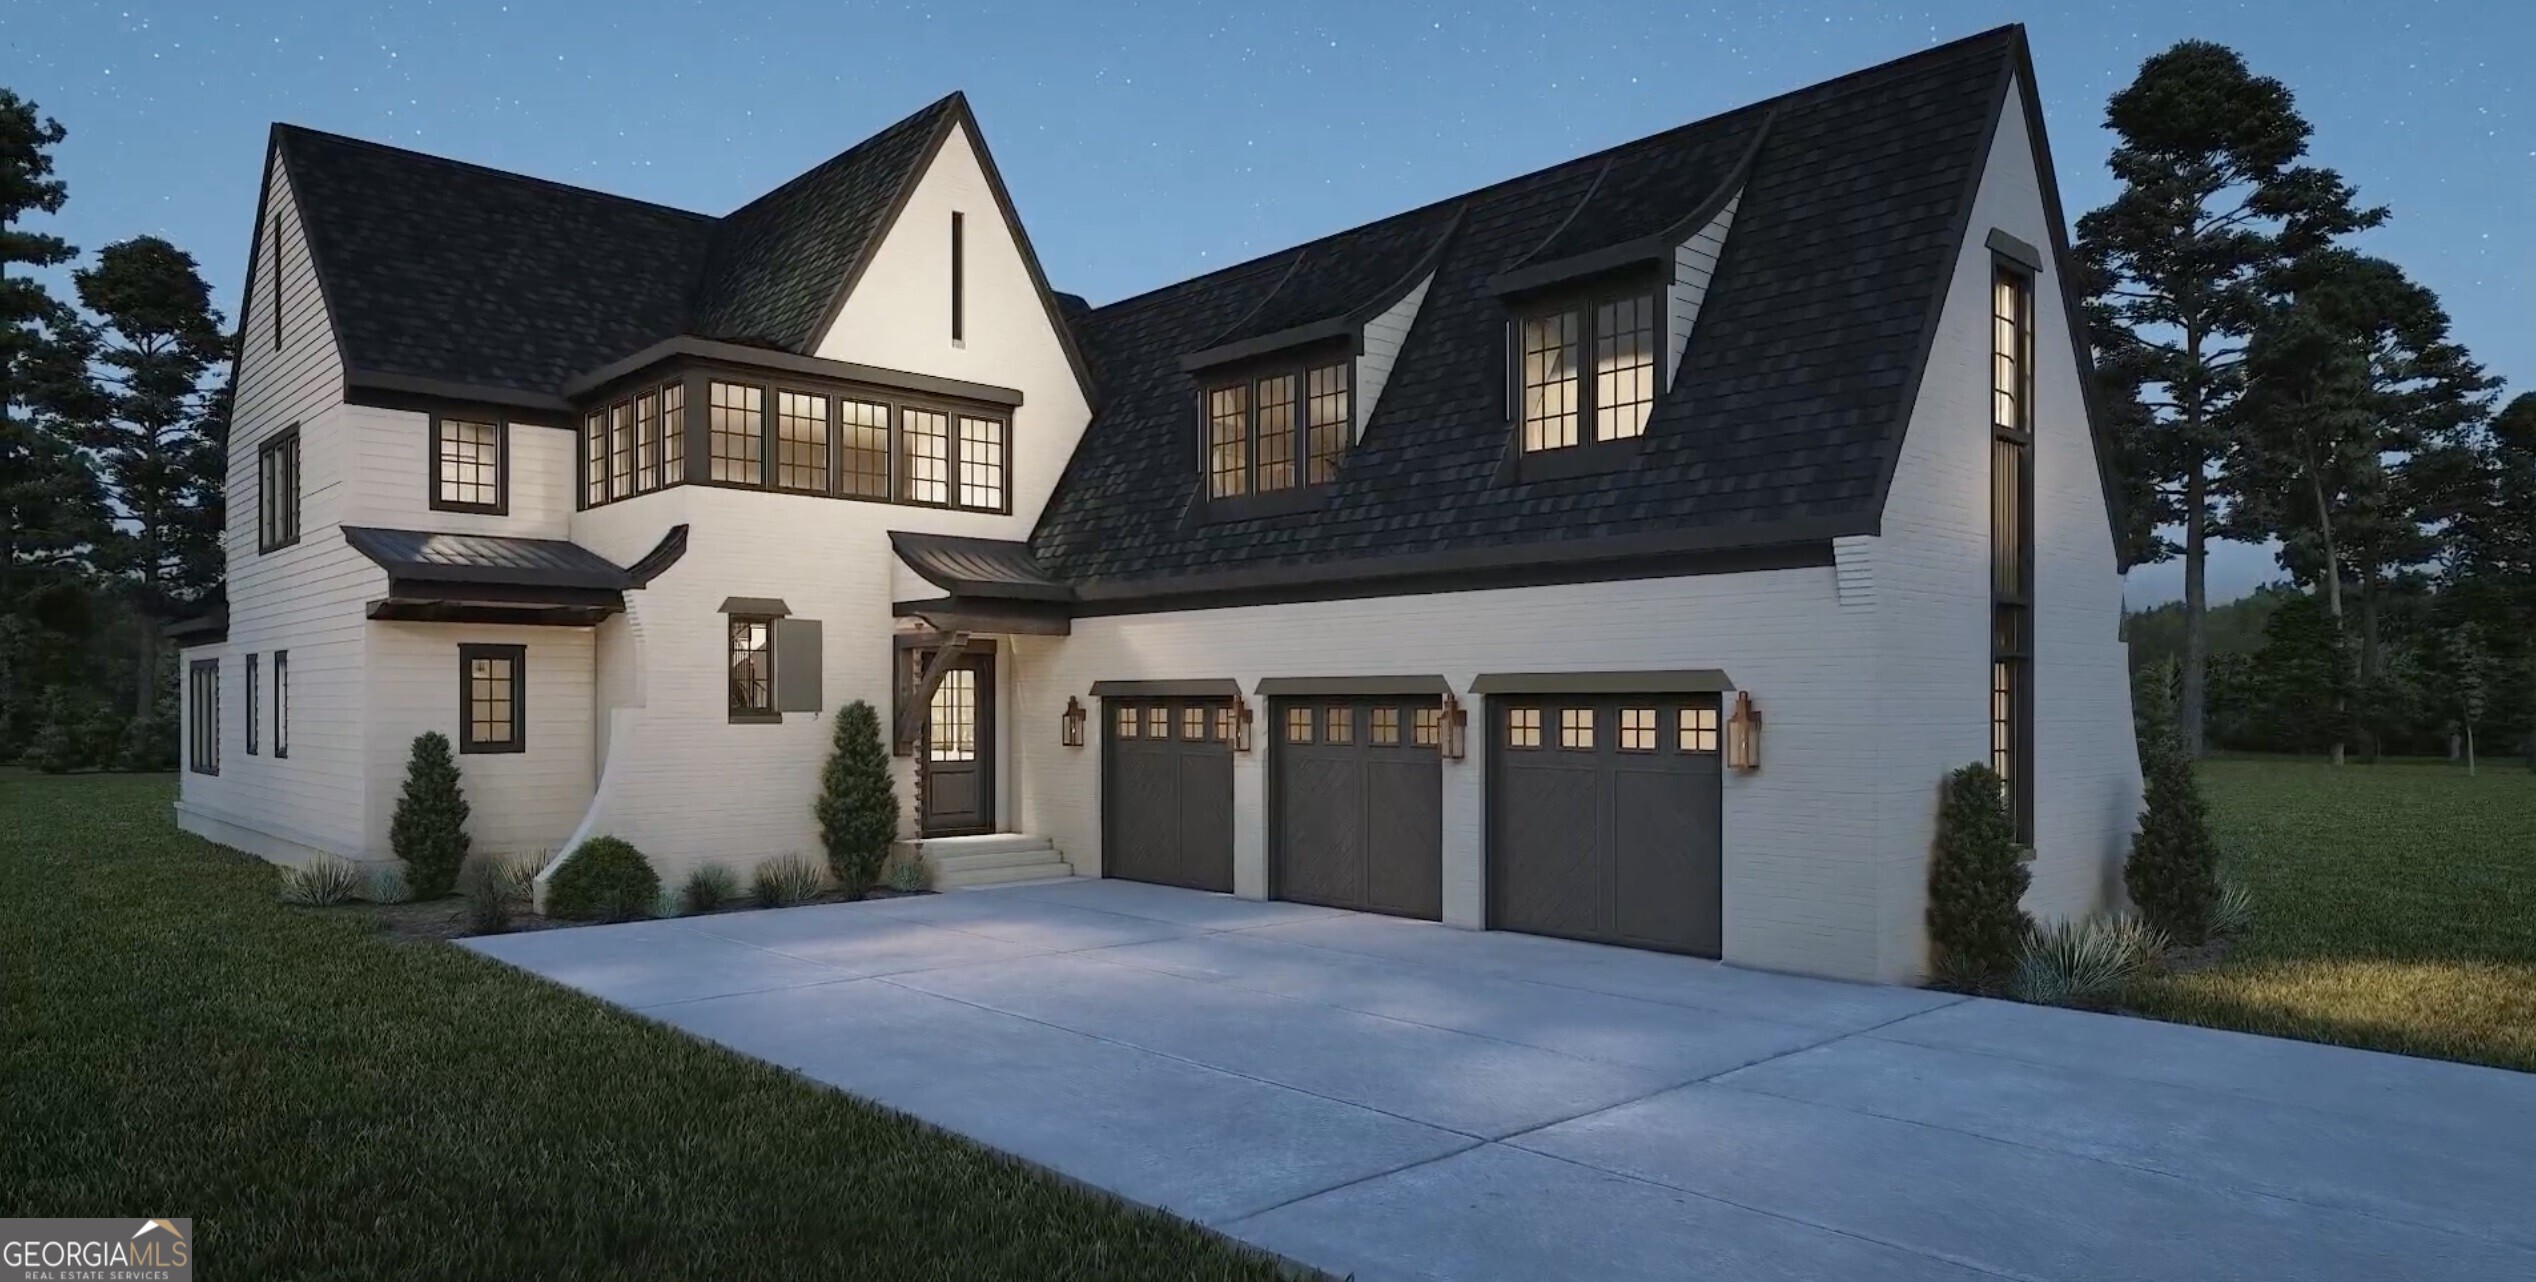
[(606, 879), (2173, 871), (430, 829), (1976, 928), (858, 805)]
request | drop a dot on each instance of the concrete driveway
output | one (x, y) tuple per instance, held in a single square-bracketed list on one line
[(1401, 1100)]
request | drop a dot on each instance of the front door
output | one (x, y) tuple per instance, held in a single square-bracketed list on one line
[(956, 760)]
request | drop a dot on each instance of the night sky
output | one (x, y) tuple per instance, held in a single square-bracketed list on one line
[(1145, 143)]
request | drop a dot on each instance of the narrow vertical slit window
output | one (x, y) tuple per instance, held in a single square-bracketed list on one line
[(801, 442), (2012, 543), (277, 486), (1228, 441), (1329, 424), (925, 442), (959, 277), (594, 459), (277, 280), (254, 700), (202, 717), (281, 704), (981, 463), (738, 432)]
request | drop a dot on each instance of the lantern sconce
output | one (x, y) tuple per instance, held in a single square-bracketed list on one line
[(1070, 726), (1241, 723), (1456, 720), (1743, 734)]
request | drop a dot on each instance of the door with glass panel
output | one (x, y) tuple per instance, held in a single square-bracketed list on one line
[(956, 760)]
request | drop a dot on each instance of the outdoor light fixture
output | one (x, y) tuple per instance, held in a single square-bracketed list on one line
[(1070, 726), (1241, 723), (1455, 720), (1743, 734)]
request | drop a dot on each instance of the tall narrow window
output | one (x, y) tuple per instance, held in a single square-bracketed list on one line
[(801, 442), (959, 276), (1549, 380), (981, 463), (1587, 372), (466, 466), (739, 433), (1329, 423), (253, 696), (281, 704), (594, 458), (673, 434), (925, 442), (864, 436), (1624, 366), (202, 717), (621, 448), (2012, 542), (277, 281), (277, 490), (1228, 441), (1275, 432), (752, 656), (646, 441), (492, 703)]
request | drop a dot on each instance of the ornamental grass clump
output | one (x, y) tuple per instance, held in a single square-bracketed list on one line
[(709, 888), (786, 880), (322, 882), (607, 879), (485, 885), (1975, 882), (2085, 962)]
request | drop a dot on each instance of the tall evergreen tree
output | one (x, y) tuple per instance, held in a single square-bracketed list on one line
[(857, 805), (2212, 200)]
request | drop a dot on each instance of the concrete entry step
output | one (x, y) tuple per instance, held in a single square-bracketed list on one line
[(990, 859)]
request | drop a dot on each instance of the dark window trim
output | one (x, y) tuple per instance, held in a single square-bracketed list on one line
[(828, 433), (748, 716), (501, 504), (252, 692), (959, 276), (2012, 606), (271, 517), (1304, 493), (277, 280), (1590, 454), (281, 704), (599, 417), (202, 717), (518, 655)]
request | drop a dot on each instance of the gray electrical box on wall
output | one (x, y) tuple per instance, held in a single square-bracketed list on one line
[(799, 665)]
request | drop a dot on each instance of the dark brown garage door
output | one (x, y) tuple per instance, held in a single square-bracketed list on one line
[(1603, 819), (1358, 806), (1167, 791)]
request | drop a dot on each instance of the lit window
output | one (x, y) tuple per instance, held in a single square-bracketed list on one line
[(801, 442), (1328, 423), (1559, 406), (951, 718), (489, 679), (673, 434), (1338, 725), (2003, 722), (1298, 725), (1624, 366), (1699, 730), (1274, 433), (1523, 727), (1193, 723), (1426, 727), (1549, 381), (594, 458), (277, 490), (864, 470), (737, 431), (1386, 726), (1637, 729), (981, 463), (1576, 727), (621, 448), (466, 465), (1228, 441), (1271, 433), (925, 441), (1125, 721), (1223, 725), (1157, 722), (2011, 542), (647, 442), (752, 663)]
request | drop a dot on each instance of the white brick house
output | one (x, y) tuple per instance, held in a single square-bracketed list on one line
[(1422, 568)]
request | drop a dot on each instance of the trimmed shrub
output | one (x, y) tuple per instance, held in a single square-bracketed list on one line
[(430, 829), (486, 884), (786, 880), (2089, 961), (909, 873), (2173, 871), (1976, 928), (322, 882), (857, 807), (607, 879), (709, 887)]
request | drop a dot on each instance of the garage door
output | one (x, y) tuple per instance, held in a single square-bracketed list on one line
[(1358, 810), (1603, 819), (1167, 791)]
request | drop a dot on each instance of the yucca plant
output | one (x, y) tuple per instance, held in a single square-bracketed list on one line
[(909, 873), (709, 887), (786, 880), (2232, 914), (388, 886), (2084, 960), (322, 883)]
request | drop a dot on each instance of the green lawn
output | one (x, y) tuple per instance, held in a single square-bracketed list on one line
[(2395, 909), (327, 1103)]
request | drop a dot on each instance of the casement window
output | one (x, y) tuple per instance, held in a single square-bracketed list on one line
[(492, 698), (594, 458), (737, 431), (277, 490), (202, 717), (281, 704), (673, 434), (924, 440), (2012, 541), (646, 442), (621, 448), (752, 663), (1271, 432), (981, 463), (633, 445), (801, 442), (1585, 371), (467, 465), (863, 449), (830, 443), (252, 693)]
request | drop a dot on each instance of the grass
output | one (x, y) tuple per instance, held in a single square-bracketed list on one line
[(326, 1102), (2394, 909)]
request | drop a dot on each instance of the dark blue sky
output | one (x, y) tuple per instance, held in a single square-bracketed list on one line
[(1147, 142)]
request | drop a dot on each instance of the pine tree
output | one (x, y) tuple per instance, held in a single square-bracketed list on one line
[(1976, 881), (2173, 871), (430, 829), (858, 805)]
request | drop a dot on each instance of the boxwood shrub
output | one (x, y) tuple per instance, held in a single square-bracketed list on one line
[(606, 880)]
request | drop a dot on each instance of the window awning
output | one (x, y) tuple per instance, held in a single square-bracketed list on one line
[(436, 577)]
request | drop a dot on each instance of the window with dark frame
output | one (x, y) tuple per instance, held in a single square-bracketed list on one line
[(1298, 725), (202, 717), (1426, 728), (1523, 727), (277, 490), (2012, 541), (635, 444), (277, 280), (826, 443), (737, 430), (959, 276), (621, 449), (1274, 431), (673, 434), (646, 441), (801, 442), (492, 702), (281, 704), (1586, 371), (594, 458), (1576, 728), (981, 463), (1127, 719), (752, 663), (466, 465), (863, 430), (924, 438), (254, 694)]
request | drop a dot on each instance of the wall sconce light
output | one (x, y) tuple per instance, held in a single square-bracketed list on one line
[(1743, 734), (1070, 726), (1241, 723), (1456, 721)]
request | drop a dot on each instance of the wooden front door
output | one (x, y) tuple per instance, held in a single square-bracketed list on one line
[(956, 759)]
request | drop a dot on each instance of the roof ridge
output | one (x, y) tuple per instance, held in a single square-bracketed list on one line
[(1845, 82), (285, 129)]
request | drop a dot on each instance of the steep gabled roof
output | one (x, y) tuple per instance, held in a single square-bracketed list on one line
[(1780, 428)]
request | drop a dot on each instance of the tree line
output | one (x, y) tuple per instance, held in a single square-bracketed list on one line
[(2269, 381), (114, 411)]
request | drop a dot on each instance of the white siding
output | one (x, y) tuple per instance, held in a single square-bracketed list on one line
[(517, 801), (1694, 265), (1384, 336), (392, 449)]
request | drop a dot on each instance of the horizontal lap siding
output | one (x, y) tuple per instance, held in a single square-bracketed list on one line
[(517, 802)]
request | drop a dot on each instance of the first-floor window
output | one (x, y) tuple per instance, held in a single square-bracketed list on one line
[(202, 717), (752, 653), (492, 705), (252, 692), (281, 703)]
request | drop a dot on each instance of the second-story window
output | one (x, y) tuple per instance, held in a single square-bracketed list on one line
[(924, 438), (738, 433), (981, 463), (801, 442), (863, 434), (1271, 432), (277, 490), (1587, 371), (466, 474), (621, 448), (635, 444), (2012, 542)]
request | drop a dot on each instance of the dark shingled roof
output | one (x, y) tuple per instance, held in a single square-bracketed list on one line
[(1781, 426), (970, 567), (421, 556)]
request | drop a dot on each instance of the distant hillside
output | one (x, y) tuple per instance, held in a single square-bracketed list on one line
[(2234, 628)]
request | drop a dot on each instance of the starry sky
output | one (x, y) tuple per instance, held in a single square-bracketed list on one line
[(1145, 142)]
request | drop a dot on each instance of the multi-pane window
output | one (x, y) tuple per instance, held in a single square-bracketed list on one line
[(736, 428), (1637, 729), (1386, 731), (1157, 722), (2012, 542), (924, 439), (594, 458), (646, 442), (1698, 730), (1426, 727), (281, 704), (1298, 725), (1223, 725), (202, 717), (1562, 401), (491, 698), (254, 697), (981, 463), (1270, 433), (1523, 727), (801, 442), (621, 448), (673, 434), (752, 662), (951, 718), (277, 491), (863, 469), (1192, 723), (1338, 725), (1127, 721), (466, 465), (1576, 727)]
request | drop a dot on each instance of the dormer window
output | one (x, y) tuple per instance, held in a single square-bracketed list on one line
[(1587, 370), (1273, 432)]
